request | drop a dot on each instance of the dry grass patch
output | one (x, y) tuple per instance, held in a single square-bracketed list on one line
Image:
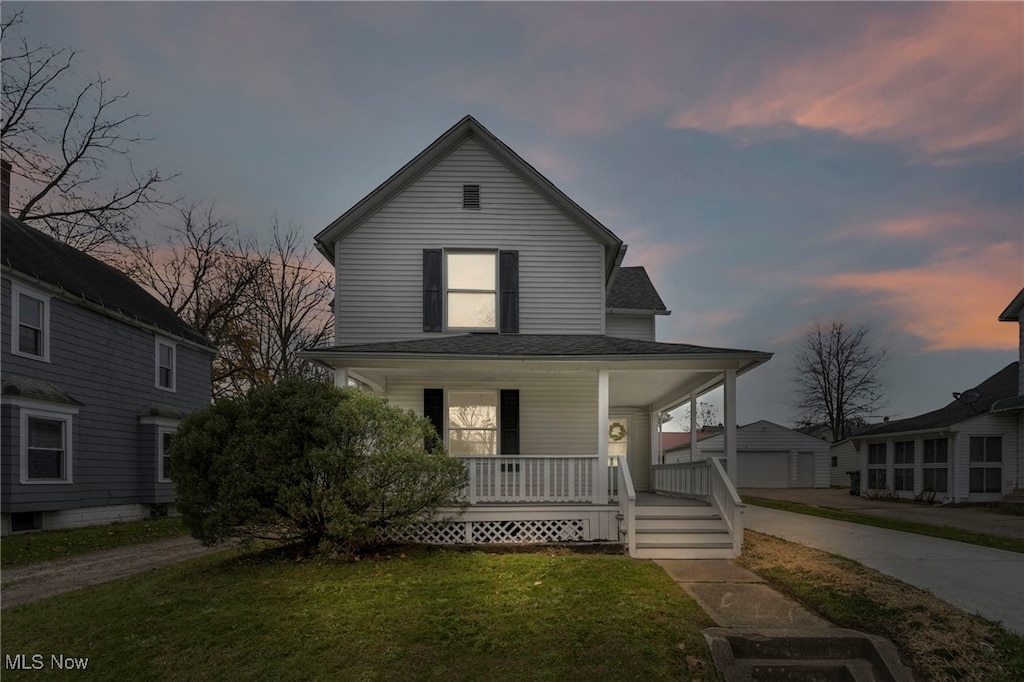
[(938, 641)]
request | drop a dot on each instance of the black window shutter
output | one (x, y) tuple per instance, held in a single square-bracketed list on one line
[(431, 290), (433, 410), (510, 422), (508, 283)]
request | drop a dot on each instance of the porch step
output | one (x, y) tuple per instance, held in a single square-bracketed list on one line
[(1014, 499), (676, 528)]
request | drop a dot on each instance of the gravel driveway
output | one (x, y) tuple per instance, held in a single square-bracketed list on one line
[(32, 583)]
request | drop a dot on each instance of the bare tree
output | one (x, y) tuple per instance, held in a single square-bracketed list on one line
[(292, 308), (836, 375), (211, 278), (70, 147)]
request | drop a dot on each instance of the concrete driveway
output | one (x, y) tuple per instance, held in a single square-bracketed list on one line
[(989, 582), (966, 518)]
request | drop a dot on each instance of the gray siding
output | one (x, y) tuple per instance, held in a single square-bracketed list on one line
[(109, 367), (379, 286), (630, 326), (557, 415)]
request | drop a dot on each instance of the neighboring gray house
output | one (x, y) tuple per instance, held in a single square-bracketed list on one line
[(971, 450), (769, 456), (471, 290), (97, 374), (845, 457)]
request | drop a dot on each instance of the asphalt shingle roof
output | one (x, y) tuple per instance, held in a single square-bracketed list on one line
[(514, 345), (999, 386), (633, 289), (32, 253)]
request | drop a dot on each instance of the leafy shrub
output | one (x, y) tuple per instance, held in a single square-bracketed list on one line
[(306, 462)]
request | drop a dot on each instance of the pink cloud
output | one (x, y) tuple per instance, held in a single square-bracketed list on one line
[(952, 301), (947, 84)]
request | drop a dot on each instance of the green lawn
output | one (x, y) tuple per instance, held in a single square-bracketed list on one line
[(31, 548), (945, 532), (435, 614)]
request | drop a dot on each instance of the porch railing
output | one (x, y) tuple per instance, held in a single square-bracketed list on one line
[(531, 478), (627, 504), (705, 480)]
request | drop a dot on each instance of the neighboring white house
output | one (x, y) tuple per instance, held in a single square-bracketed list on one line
[(967, 451), (769, 456), (844, 457), (471, 290)]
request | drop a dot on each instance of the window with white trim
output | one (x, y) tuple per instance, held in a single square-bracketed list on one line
[(473, 422), (30, 311), (45, 446), (166, 364), (163, 453), (877, 466), (903, 465), (471, 290), (986, 459), (935, 465)]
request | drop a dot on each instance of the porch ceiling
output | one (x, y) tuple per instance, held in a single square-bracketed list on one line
[(651, 382)]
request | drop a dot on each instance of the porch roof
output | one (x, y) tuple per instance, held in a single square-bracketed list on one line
[(641, 373), (532, 347)]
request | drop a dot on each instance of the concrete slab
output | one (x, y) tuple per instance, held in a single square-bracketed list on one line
[(706, 571), (746, 605), (977, 579)]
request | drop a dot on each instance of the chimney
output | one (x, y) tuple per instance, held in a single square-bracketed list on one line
[(5, 186)]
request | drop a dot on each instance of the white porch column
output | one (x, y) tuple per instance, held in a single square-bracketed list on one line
[(729, 403), (693, 426), (341, 377), (655, 445), (601, 475)]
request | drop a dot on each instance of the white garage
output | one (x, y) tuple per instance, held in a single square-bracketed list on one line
[(767, 456), (763, 469)]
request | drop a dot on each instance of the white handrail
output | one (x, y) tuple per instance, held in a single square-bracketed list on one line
[(704, 480), (627, 504)]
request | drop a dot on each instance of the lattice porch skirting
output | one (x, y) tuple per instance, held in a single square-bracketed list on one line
[(482, 532)]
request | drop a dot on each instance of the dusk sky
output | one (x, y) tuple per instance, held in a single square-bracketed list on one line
[(766, 162)]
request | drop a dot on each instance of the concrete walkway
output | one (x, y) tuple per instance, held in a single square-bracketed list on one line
[(989, 582)]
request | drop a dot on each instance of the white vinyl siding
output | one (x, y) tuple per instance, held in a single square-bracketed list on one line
[(380, 264), (630, 326), (557, 415)]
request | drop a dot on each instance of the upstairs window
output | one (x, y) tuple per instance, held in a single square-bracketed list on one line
[(32, 323), (166, 365), (471, 295)]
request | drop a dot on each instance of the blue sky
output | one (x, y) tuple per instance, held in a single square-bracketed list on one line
[(767, 162)]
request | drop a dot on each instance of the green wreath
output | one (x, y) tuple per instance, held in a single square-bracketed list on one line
[(616, 431)]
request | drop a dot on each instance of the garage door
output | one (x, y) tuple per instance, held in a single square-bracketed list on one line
[(763, 469)]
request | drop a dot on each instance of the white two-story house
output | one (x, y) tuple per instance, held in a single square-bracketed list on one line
[(471, 290)]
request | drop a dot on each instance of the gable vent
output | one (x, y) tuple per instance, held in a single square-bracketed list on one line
[(471, 196)]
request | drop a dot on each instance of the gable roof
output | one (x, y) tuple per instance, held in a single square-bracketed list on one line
[(39, 257), (1001, 385), (1014, 310), (765, 425), (675, 440), (533, 346), (438, 149), (633, 290)]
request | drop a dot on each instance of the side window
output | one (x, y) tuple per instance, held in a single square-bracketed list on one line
[(30, 324), (164, 439), (166, 364), (45, 447)]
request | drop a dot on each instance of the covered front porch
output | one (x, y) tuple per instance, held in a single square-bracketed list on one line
[(561, 447)]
